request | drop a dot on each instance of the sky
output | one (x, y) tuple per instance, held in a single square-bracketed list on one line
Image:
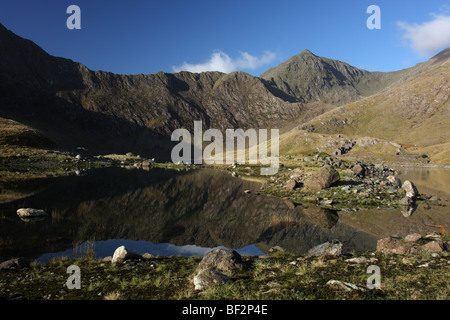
[(148, 36)]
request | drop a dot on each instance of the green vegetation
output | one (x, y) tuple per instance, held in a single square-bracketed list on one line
[(281, 276)]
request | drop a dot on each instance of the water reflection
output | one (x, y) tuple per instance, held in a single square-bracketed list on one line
[(202, 208)]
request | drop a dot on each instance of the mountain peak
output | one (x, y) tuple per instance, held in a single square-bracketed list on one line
[(306, 52)]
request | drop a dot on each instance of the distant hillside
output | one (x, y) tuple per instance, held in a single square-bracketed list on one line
[(414, 113)]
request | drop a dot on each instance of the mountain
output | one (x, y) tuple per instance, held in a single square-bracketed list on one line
[(311, 78), (108, 112), (61, 103), (413, 113)]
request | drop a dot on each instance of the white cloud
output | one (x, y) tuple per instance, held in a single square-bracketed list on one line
[(429, 37), (220, 61)]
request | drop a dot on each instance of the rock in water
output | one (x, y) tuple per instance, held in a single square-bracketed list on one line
[(410, 188), (31, 213), (333, 248), (323, 179), (208, 277), (221, 259)]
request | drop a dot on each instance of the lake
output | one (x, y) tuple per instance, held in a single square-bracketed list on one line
[(190, 212)]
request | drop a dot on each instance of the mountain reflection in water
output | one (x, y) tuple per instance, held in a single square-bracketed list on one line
[(203, 208)]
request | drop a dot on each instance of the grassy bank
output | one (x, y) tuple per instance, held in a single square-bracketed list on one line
[(281, 276)]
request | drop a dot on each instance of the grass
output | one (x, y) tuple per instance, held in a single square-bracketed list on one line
[(282, 276)]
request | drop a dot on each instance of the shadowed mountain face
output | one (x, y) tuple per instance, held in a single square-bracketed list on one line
[(72, 106), (107, 112), (207, 208)]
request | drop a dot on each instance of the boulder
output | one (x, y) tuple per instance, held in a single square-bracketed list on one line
[(410, 188), (413, 237), (435, 246), (222, 259), (332, 248), (206, 278), (323, 179), (344, 285), (121, 254), (391, 245), (358, 170), (31, 213), (290, 185)]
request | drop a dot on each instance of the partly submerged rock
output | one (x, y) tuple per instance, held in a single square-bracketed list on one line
[(323, 179), (410, 188)]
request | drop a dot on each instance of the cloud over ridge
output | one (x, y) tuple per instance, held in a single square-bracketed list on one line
[(220, 61), (429, 37)]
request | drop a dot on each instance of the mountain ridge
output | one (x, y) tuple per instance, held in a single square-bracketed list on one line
[(115, 113)]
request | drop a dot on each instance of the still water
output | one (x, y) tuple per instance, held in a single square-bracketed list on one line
[(168, 212)]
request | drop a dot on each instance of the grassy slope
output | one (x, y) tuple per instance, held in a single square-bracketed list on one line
[(415, 113)]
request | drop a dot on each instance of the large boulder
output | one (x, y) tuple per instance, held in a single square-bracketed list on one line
[(206, 278), (410, 188), (391, 245), (332, 248), (222, 259), (323, 178)]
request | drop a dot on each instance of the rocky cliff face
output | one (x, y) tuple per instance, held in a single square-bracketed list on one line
[(107, 112), (311, 78)]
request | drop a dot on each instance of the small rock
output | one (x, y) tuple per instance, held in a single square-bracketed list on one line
[(147, 256), (333, 248), (413, 237), (209, 277), (276, 249), (434, 246), (290, 185), (344, 285), (358, 260)]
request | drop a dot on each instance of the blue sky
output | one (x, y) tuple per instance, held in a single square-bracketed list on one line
[(147, 36)]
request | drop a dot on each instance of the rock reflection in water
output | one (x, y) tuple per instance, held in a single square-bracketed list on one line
[(206, 208)]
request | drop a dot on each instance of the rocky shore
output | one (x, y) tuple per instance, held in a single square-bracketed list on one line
[(415, 267)]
